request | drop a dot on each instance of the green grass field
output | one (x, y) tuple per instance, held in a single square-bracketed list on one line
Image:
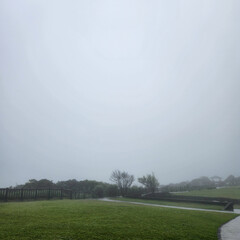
[(91, 219), (229, 192), (178, 204)]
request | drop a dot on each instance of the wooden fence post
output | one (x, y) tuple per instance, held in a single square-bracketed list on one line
[(36, 192), (70, 194), (21, 194), (49, 193), (6, 195), (61, 194)]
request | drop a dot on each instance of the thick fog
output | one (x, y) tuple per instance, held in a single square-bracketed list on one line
[(87, 87)]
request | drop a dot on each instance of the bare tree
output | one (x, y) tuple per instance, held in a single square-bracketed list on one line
[(150, 182), (123, 181)]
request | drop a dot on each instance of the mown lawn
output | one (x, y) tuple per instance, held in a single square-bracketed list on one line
[(177, 204), (229, 192), (91, 219)]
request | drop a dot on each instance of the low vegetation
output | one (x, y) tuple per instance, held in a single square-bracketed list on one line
[(91, 219)]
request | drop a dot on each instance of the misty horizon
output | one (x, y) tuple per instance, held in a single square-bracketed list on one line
[(135, 182), (87, 87)]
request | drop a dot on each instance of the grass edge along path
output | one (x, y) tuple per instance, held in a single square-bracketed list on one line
[(226, 192), (92, 219), (176, 204)]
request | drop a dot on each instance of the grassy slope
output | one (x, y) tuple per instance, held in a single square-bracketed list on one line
[(230, 192), (88, 219), (178, 204)]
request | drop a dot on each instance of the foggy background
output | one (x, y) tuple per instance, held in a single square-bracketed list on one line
[(87, 87)]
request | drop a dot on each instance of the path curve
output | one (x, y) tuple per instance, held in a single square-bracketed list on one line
[(231, 230)]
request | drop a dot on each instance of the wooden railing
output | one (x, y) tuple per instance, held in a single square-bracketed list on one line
[(227, 203)]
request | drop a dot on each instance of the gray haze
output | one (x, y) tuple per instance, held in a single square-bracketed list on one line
[(87, 87)]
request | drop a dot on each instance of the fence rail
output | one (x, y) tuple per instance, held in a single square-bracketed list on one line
[(9, 194), (192, 198), (227, 203)]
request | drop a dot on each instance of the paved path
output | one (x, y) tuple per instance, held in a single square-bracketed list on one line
[(166, 206), (229, 231)]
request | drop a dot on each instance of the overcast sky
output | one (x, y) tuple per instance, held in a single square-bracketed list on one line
[(87, 87)]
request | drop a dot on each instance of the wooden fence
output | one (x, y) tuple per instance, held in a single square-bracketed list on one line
[(192, 198), (9, 194), (227, 203)]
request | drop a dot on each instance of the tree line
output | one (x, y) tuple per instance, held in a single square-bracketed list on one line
[(202, 183), (87, 188), (124, 180), (122, 185)]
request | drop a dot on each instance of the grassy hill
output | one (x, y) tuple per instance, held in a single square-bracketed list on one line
[(228, 192), (89, 219)]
